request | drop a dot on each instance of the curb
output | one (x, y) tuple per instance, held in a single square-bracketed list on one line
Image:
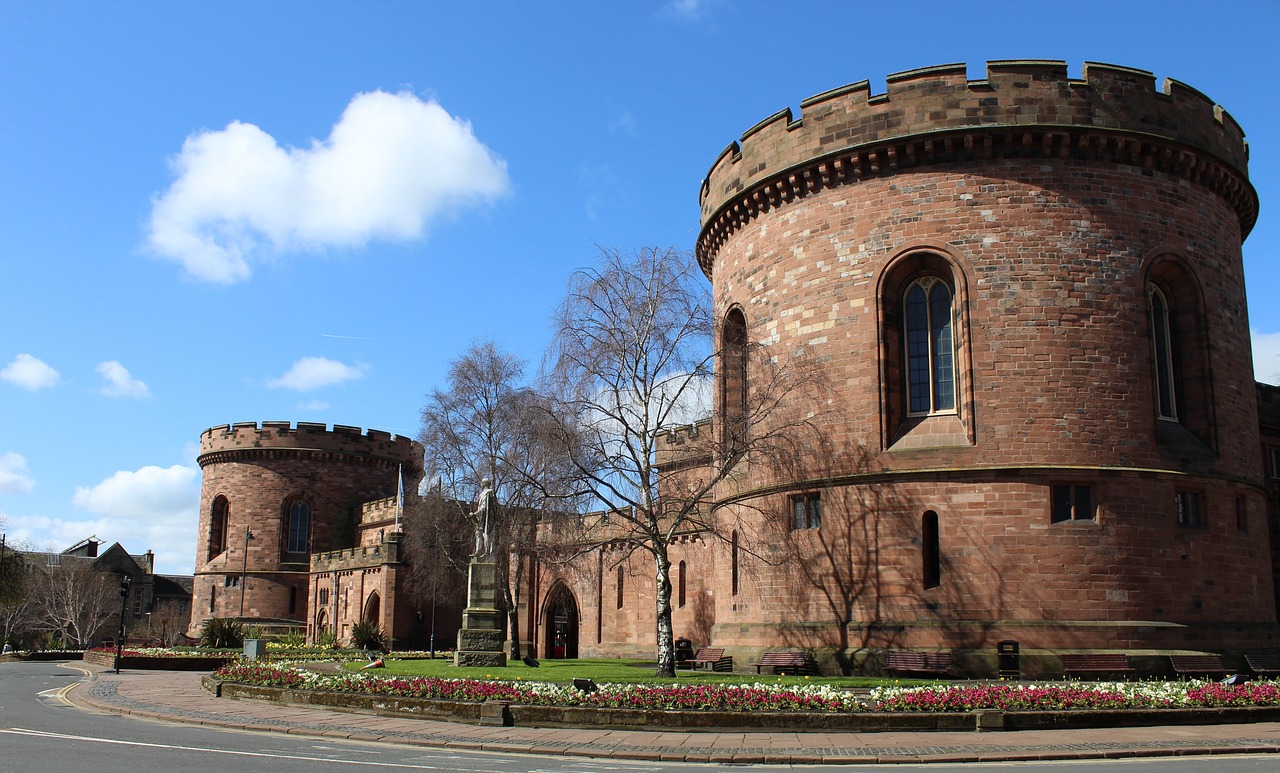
[(82, 696)]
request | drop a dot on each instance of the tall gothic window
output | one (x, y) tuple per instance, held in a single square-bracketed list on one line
[(733, 377), (299, 531), (218, 527), (931, 380), (1162, 345)]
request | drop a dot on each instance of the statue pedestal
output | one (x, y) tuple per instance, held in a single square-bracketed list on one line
[(480, 640)]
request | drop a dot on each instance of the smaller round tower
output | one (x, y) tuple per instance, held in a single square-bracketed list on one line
[(272, 495)]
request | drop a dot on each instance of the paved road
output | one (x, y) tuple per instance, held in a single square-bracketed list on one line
[(41, 730)]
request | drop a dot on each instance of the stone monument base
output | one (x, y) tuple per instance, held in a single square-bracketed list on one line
[(480, 640)]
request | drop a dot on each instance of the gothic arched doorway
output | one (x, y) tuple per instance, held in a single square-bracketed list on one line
[(560, 624), (373, 608)]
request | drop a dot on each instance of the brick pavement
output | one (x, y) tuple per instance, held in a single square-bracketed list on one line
[(178, 697)]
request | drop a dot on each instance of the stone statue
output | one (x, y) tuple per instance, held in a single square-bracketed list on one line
[(482, 519)]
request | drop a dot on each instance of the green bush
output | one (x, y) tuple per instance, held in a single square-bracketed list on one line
[(367, 635), (327, 640), (222, 633)]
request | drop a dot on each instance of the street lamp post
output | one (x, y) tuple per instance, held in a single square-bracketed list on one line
[(124, 603), (244, 568)]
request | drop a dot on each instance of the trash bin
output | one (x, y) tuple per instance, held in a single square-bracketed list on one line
[(255, 648), (1010, 662), (684, 650)]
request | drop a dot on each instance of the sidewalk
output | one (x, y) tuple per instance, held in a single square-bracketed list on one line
[(178, 697)]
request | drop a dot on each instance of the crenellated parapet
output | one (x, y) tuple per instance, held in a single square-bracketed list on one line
[(684, 445), (362, 557), (936, 115), (378, 511), (229, 442)]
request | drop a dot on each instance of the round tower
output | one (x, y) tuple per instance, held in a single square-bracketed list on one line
[(274, 494), (1028, 295)]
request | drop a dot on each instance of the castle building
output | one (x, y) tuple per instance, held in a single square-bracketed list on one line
[(274, 494), (1043, 428)]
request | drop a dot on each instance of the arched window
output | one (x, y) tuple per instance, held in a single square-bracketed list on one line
[(925, 364), (680, 581), (930, 550), (218, 527), (733, 377), (620, 587), (733, 561), (1162, 347), (930, 350), (299, 527), (1182, 384)]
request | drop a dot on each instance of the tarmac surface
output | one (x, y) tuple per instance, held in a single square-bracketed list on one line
[(178, 697)]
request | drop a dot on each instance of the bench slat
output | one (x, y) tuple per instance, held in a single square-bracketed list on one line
[(1102, 662), (783, 660), (923, 662), (1197, 664)]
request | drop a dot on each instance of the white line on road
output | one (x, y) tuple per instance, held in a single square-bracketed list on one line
[(21, 731)]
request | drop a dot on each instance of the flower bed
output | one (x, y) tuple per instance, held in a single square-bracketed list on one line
[(161, 658), (797, 706)]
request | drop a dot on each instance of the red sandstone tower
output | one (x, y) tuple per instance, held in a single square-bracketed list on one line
[(1028, 291), (296, 491)]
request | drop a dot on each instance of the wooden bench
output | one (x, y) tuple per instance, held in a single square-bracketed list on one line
[(711, 657), (1184, 665), (905, 662), (1096, 663), (784, 662), (1263, 663)]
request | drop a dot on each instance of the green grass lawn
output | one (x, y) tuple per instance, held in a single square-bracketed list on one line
[(606, 670)]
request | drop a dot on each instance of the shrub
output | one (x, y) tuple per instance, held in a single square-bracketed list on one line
[(222, 633), (367, 635), (327, 640)]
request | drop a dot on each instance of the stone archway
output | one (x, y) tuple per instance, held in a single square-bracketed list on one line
[(560, 624), (373, 608)]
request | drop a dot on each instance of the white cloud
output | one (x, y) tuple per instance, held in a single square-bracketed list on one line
[(314, 405), (119, 383), (689, 10), (1266, 357), (391, 165), (311, 373), (30, 373), (152, 508), (13, 474)]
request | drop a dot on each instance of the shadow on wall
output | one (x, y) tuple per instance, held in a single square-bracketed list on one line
[(873, 571)]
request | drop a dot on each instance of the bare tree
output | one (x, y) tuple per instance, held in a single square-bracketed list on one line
[(74, 600), (16, 607), (632, 359), (485, 424)]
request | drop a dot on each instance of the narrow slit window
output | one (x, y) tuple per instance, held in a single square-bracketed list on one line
[(931, 550)]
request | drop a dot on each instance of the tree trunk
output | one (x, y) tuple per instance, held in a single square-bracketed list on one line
[(512, 590), (666, 639)]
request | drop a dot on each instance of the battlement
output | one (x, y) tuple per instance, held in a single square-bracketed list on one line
[(308, 436), (936, 114), (687, 443), (378, 510)]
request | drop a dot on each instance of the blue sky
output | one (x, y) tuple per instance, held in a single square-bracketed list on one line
[(248, 211)]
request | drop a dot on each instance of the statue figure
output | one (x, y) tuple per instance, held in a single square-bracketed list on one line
[(482, 519)]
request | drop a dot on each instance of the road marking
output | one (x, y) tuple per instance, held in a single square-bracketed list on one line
[(304, 758), (58, 694)]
